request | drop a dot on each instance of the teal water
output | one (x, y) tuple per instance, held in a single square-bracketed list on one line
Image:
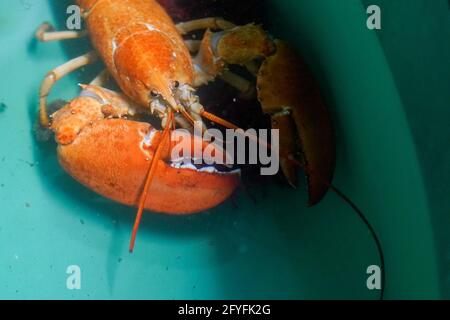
[(274, 247)]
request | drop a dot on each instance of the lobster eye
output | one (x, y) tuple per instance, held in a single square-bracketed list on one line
[(176, 84), (154, 94)]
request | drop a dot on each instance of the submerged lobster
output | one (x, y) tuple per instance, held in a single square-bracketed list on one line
[(103, 142)]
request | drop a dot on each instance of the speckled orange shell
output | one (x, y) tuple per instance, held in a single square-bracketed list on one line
[(140, 46)]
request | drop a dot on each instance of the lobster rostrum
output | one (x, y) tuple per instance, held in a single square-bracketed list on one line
[(104, 143)]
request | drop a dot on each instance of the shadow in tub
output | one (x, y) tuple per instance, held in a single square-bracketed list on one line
[(241, 239)]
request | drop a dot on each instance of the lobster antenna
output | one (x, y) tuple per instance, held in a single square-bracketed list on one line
[(187, 116), (339, 193), (363, 217), (219, 120), (149, 178), (229, 125)]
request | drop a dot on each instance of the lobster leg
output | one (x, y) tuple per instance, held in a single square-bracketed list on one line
[(202, 24), (238, 46), (101, 79), (45, 33), (200, 78), (193, 45), (246, 87), (53, 76)]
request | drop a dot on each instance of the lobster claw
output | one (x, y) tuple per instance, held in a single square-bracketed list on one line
[(288, 92), (111, 156)]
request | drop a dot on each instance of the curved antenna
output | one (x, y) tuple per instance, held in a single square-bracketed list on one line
[(149, 178), (372, 231)]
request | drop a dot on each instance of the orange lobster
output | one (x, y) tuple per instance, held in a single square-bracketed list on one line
[(102, 142)]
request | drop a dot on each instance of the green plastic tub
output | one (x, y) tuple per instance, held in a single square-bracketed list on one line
[(386, 91)]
